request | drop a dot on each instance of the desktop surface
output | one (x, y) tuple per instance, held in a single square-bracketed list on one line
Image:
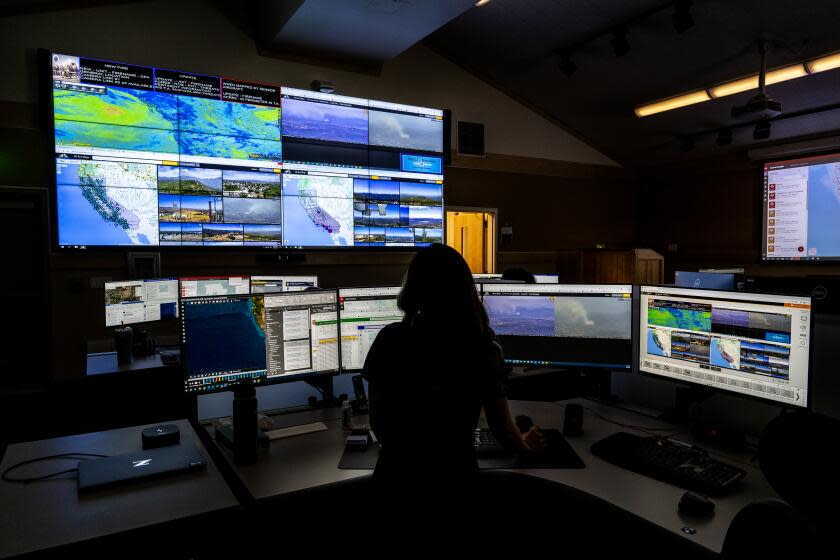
[(44, 515)]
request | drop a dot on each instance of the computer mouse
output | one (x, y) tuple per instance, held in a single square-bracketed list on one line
[(524, 423), (694, 503)]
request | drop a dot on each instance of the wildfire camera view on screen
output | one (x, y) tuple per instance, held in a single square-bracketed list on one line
[(562, 324), (754, 344), (262, 337), (155, 157), (802, 209)]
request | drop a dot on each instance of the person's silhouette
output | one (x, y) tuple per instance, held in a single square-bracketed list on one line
[(429, 377)]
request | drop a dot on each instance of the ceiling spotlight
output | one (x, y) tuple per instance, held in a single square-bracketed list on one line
[(724, 137), (619, 42), (682, 18), (567, 65), (762, 130), (686, 144)]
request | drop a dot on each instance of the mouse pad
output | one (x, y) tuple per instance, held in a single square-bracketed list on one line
[(558, 455)]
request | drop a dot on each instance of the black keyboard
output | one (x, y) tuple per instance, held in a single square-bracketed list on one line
[(679, 464), (486, 444)]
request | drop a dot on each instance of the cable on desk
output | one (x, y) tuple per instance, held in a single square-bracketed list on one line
[(78, 456), (647, 429)]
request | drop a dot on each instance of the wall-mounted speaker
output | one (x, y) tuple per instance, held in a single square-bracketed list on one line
[(470, 138)]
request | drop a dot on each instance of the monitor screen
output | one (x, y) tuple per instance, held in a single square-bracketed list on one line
[(362, 313), (546, 278), (576, 325), (801, 209), (705, 280), (268, 338), (274, 284), (754, 344), (156, 157), (140, 301), (214, 286)]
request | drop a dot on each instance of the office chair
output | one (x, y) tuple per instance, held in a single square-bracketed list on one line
[(796, 452)]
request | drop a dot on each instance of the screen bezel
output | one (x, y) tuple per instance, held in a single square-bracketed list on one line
[(47, 117), (265, 382), (762, 223), (720, 390)]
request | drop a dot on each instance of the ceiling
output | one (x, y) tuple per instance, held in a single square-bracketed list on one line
[(513, 44)]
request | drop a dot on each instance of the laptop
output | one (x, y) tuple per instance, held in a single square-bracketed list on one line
[(97, 473)]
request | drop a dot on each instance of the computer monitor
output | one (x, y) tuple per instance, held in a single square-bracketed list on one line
[(752, 344), (546, 278), (481, 277), (269, 338), (140, 301), (574, 325), (705, 280), (215, 286), (362, 313), (275, 284)]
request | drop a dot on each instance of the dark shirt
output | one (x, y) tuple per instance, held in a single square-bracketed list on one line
[(430, 386)]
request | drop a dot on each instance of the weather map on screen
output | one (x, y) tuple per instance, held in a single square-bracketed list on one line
[(155, 157)]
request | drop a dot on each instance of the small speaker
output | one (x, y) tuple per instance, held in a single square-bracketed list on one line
[(573, 420), (470, 138)]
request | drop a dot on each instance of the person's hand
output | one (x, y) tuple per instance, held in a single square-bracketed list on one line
[(534, 439)]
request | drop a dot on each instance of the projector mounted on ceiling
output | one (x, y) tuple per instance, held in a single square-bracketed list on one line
[(762, 105)]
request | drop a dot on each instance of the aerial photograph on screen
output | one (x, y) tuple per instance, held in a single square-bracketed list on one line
[(251, 184), (225, 336), (324, 121), (223, 233), (680, 315), (399, 130), (421, 194), (168, 179), (262, 234)]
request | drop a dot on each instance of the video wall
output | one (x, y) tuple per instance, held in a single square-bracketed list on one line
[(153, 157)]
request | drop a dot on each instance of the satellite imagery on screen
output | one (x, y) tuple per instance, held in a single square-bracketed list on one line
[(146, 156)]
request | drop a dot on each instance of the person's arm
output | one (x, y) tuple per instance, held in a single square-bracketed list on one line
[(374, 413), (504, 428)]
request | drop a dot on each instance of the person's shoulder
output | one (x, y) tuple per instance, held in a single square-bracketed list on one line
[(394, 331)]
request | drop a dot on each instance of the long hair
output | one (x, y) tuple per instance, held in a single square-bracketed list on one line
[(439, 292)]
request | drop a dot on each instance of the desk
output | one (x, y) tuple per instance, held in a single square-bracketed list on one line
[(106, 362), (49, 514), (309, 461)]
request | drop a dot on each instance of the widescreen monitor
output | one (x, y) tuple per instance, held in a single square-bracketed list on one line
[(269, 338), (362, 313), (214, 286), (274, 284), (704, 280), (573, 325), (163, 158), (752, 344), (140, 301), (802, 209)]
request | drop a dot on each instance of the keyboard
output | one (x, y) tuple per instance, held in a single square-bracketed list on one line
[(486, 444), (676, 463)]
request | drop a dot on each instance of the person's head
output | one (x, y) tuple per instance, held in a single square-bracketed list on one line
[(519, 274), (439, 287)]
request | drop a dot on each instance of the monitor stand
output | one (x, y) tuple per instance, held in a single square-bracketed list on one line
[(687, 401)]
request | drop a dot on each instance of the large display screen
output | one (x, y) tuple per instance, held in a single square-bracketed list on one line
[(153, 157), (802, 209)]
